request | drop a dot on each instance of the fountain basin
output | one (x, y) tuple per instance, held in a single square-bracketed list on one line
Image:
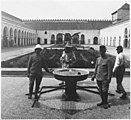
[(67, 74)]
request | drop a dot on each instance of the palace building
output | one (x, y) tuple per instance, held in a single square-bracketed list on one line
[(16, 32), (118, 33)]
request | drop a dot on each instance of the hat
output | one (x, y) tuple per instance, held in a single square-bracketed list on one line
[(38, 47), (119, 47)]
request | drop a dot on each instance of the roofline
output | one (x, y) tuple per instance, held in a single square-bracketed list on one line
[(116, 23), (2, 12), (119, 8), (66, 20)]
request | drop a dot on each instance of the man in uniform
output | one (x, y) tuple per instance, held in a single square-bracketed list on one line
[(103, 74), (34, 71)]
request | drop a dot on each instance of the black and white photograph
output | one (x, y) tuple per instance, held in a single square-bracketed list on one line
[(65, 59)]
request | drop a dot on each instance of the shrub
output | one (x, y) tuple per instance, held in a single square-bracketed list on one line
[(84, 59)]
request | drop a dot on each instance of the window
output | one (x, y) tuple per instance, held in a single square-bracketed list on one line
[(110, 41), (45, 32), (107, 41), (119, 40)]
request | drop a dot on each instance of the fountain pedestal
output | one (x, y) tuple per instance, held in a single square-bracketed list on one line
[(70, 77)]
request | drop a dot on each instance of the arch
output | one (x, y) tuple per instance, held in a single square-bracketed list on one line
[(82, 39), (19, 37), (129, 39), (38, 40), (75, 39), (67, 38), (119, 40), (22, 38), (126, 38), (95, 40), (15, 37), (59, 38), (27, 40), (30, 39), (114, 41), (33, 37), (125, 43), (110, 41), (5, 37), (107, 41), (104, 40), (11, 40), (52, 39)]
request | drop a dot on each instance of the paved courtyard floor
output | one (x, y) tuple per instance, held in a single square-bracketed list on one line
[(16, 105)]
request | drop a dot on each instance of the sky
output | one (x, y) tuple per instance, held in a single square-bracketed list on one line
[(62, 9)]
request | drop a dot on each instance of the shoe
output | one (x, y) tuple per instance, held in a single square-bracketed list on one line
[(105, 106), (124, 96), (99, 104), (62, 83), (30, 97), (118, 91)]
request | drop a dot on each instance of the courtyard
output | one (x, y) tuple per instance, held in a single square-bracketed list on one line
[(16, 105)]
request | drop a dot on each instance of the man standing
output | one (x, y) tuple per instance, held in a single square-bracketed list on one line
[(34, 71), (119, 69), (68, 58), (103, 74)]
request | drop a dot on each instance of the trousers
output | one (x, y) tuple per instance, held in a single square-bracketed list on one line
[(103, 87), (36, 78), (119, 78)]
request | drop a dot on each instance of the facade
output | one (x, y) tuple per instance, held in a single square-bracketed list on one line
[(16, 32), (118, 33), (74, 31)]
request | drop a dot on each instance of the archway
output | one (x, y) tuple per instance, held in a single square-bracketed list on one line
[(22, 38), (52, 39), (15, 37), (126, 43), (95, 40), (126, 38), (11, 41), (59, 38), (67, 38), (82, 39), (38, 40), (75, 39), (19, 35), (27, 40), (5, 37)]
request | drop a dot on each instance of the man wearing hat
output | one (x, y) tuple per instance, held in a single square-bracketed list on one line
[(34, 71), (68, 57), (119, 69)]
